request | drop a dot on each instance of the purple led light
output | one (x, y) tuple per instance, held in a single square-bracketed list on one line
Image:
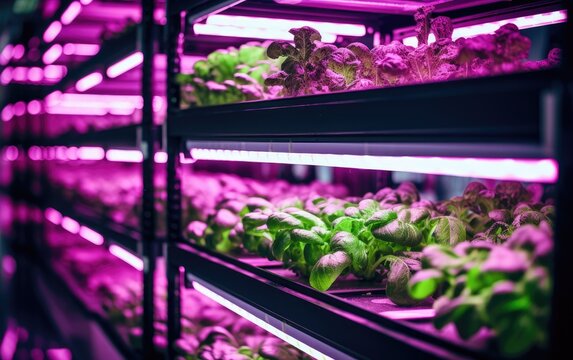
[(524, 22), (20, 73), (18, 52), (89, 81), (9, 342), (10, 153), (52, 54), (126, 256), (34, 107), (91, 236), (125, 65), (6, 75), (59, 354), (7, 113), (134, 156), (86, 2), (6, 54), (70, 225), (91, 153), (531, 170), (71, 12), (19, 108), (259, 322), (80, 49), (52, 31), (53, 216), (35, 74), (54, 72)]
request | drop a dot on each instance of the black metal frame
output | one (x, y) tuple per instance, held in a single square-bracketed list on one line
[(515, 106)]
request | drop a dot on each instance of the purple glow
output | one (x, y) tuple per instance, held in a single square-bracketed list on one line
[(125, 65), (7, 113), (71, 110), (118, 155), (55, 72), (35, 153), (53, 216), (35, 74), (409, 314), (11, 153), (81, 49), (34, 107), (18, 52), (91, 236), (20, 73), (86, 2), (524, 22), (9, 265), (531, 170), (259, 322), (59, 354), (72, 153), (71, 12), (9, 343), (160, 157), (6, 54), (126, 256), (6, 76), (286, 24), (70, 225), (89, 81), (52, 54), (88, 104), (252, 33), (91, 153), (19, 108), (52, 31)]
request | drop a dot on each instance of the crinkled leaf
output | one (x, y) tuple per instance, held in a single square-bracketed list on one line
[(449, 230), (254, 203), (501, 215), (309, 220), (398, 232), (529, 217), (283, 221), (281, 48), (352, 246), (304, 39), (328, 269), (397, 282), (305, 236), (381, 218), (413, 215)]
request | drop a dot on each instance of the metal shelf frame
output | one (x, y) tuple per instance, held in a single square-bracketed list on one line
[(524, 115)]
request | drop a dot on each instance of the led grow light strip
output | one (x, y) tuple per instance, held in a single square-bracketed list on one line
[(89, 81), (251, 32), (133, 156), (52, 31), (259, 322), (53, 216), (52, 54), (81, 49), (91, 235), (286, 24), (71, 12), (524, 22), (9, 342), (409, 314), (125, 65), (534, 170), (126, 256)]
